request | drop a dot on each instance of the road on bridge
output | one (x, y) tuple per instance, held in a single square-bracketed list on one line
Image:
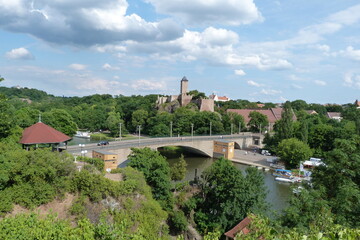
[(143, 142)]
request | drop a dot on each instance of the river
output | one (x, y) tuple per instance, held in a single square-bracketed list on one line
[(278, 193)]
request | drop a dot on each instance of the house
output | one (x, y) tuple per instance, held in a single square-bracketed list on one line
[(240, 228), (272, 114), (311, 112), (217, 98), (110, 159), (357, 104), (334, 115)]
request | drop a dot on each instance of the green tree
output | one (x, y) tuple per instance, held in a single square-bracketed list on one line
[(257, 121), (61, 120), (159, 125), (156, 171), (178, 170), (292, 151), (113, 123), (139, 118), (226, 196), (284, 127), (6, 117)]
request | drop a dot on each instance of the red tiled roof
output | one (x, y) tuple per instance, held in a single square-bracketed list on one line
[(334, 114), (273, 114), (223, 98), (42, 133), (242, 226)]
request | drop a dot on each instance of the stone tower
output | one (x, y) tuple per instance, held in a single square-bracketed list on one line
[(184, 86)]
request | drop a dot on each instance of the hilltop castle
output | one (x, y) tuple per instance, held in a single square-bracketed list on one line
[(184, 99)]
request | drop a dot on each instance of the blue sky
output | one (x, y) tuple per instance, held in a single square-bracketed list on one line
[(269, 51)]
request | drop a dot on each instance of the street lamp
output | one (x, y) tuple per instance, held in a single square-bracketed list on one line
[(192, 131), (83, 153), (120, 131), (210, 127), (139, 126), (171, 124), (231, 129), (239, 127)]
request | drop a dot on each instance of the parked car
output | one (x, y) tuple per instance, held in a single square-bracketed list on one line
[(102, 143), (265, 152)]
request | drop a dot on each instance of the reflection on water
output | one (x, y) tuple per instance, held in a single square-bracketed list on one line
[(278, 193), (77, 140)]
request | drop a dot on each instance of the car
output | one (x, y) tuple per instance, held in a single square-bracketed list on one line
[(102, 143)]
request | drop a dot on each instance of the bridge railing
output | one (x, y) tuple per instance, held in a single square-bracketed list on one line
[(141, 142)]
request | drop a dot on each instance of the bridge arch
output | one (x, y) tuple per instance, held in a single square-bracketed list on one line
[(190, 149)]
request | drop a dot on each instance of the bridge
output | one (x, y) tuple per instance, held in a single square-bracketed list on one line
[(202, 145)]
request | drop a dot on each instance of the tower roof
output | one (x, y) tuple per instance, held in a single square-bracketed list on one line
[(42, 133), (184, 79)]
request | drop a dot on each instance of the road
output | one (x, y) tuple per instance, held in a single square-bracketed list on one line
[(149, 141)]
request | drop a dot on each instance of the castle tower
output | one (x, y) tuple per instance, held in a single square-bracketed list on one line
[(184, 86)]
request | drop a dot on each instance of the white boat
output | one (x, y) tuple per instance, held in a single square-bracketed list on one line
[(281, 179), (80, 134)]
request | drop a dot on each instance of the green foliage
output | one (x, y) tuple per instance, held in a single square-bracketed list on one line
[(138, 118), (263, 228), (156, 171), (226, 196), (284, 127), (6, 117), (113, 124), (61, 120), (257, 121), (34, 177), (178, 170), (177, 222), (292, 151), (97, 162)]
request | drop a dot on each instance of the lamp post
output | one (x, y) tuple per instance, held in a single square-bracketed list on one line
[(239, 127), (139, 126), (192, 132), (171, 125), (81, 147), (120, 131), (231, 129), (210, 128)]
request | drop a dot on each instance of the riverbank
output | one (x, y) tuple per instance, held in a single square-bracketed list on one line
[(251, 159)]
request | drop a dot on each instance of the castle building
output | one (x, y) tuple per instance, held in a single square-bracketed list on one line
[(184, 98)]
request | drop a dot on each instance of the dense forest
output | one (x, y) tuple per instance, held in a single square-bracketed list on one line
[(151, 201)]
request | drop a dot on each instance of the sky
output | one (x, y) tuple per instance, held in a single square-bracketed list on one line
[(267, 51)]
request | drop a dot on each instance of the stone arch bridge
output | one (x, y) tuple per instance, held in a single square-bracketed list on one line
[(202, 145)]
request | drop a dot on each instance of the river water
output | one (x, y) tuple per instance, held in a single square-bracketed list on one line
[(278, 193)]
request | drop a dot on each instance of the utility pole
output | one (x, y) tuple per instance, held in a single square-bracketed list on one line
[(231, 131), (239, 127), (120, 131), (260, 129), (171, 129), (210, 128)]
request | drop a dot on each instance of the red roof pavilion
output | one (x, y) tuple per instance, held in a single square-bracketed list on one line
[(240, 227), (42, 133)]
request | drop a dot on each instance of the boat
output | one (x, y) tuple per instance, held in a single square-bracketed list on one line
[(298, 189), (283, 173), (80, 134), (281, 179)]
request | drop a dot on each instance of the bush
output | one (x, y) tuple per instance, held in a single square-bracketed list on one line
[(177, 222)]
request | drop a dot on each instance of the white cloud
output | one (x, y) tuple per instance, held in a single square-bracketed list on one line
[(108, 67), (320, 83), (323, 47), (351, 53), (240, 72), (200, 12), (352, 80), (270, 92), (77, 66), (255, 84), (147, 85), (19, 53), (296, 86), (83, 23)]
